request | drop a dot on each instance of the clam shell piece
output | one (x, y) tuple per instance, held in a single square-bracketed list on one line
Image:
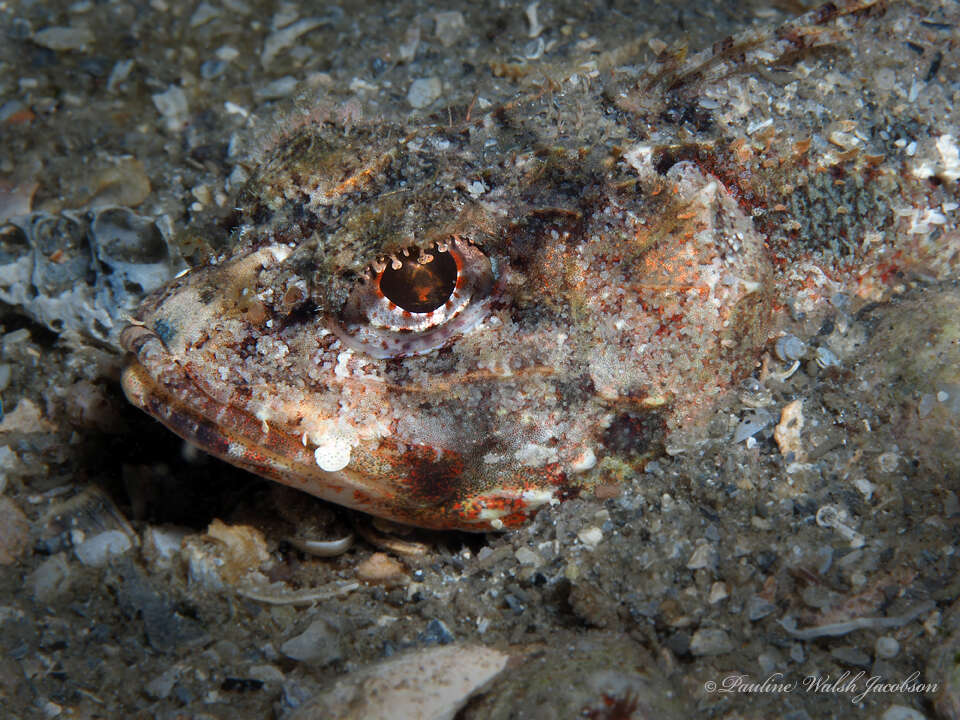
[(433, 683)]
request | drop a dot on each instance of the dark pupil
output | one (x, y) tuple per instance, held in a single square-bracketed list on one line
[(420, 288)]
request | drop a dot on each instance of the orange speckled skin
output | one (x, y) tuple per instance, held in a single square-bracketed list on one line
[(624, 243)]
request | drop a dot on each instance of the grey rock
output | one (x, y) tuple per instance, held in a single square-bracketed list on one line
[(161, 686), (285, 37), (64, 38), (901, 712), (758, 607), (51, 579), (266, 673), (166, 629), (887, 647), (437, 633), (710, 641), (424, 91), (279, 88), (96, 551), (317, 644), (704, 556), (450, 26), (172, 105)]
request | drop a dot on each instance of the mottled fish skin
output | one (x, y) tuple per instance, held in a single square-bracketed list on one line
[(577, 288)]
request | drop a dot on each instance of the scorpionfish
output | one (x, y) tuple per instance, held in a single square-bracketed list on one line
[(453, 324)]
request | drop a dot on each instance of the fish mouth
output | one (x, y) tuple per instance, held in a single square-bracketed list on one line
[(381, 482), (160, 386)]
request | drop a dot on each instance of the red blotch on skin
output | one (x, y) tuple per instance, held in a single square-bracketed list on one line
[(432, 477)]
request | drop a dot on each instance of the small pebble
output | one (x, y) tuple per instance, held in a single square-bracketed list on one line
[(8, 110), (710, 641), (9, 460), (97, 550), (227, 53), (437, 633), (280, 88), (64, 38), (204, 13), (768, 662), (172, 105), (15, 338), (759, 607), (284, 38), (901, 712), (266, 674), (796, 653), (161, 686), (526, 556), (751, 424), (424, 91), (212, 69), (51, 579), (119, 73), (703, 557), (318, 644), (450, 27), (163, 543), (14, 531), (718, 592), (590, 536), (126, 184), (887, 647), (381, 568)]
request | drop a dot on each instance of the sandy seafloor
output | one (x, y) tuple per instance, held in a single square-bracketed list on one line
[(625, 606)]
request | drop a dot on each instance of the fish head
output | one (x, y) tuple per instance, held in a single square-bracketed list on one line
[(454, 327)]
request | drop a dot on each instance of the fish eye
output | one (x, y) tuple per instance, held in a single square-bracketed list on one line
[(421, 285), (417, 300)]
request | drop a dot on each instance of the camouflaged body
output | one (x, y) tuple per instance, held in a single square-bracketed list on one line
[(629, 238)]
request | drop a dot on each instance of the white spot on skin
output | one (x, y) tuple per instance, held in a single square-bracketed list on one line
[(584, 461), (533, 455), (332, 454)]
